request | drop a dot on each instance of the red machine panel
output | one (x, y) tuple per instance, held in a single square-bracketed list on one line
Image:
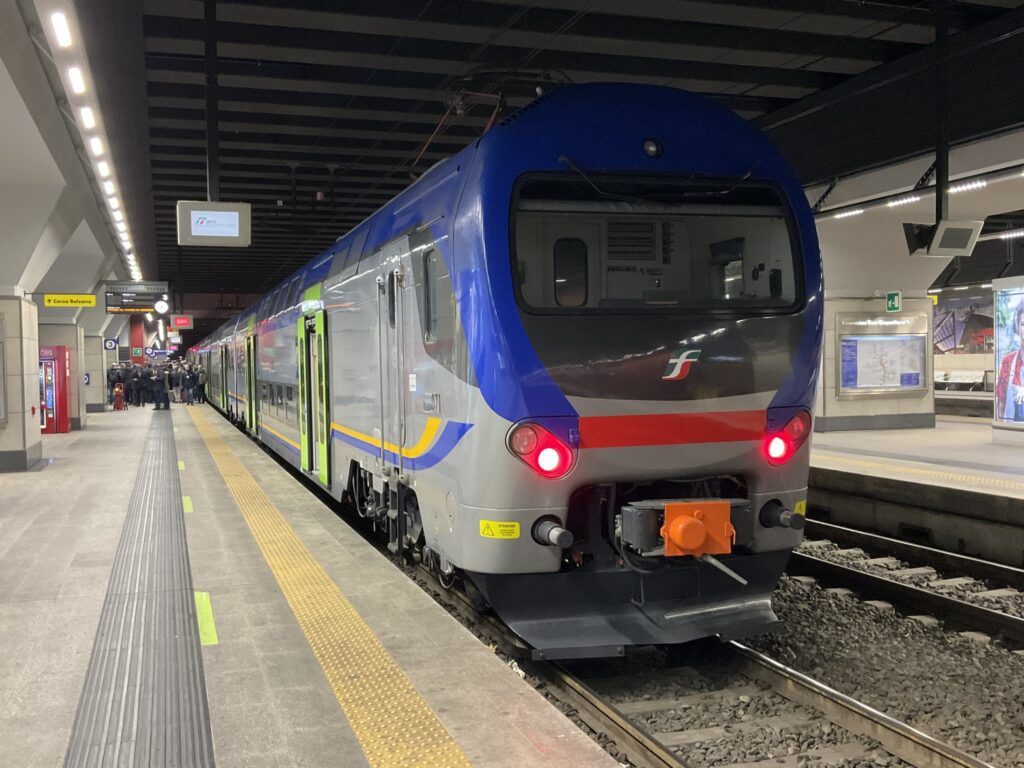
[(54, 369)]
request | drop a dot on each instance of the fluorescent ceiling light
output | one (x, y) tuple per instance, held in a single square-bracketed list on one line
[(149, 317), (76, 79), (108, 187), (61, 31), (965, 186), (114, 203), (118, 216), (121, 226), (934, 290), (848, 214), (104, 168), (903, 201), (962, 288), (985, 285), (88, 117), (96, 145), (1011, 234)]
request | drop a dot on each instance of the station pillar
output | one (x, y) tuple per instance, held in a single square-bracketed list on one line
[(94, 378), (21, 444), (72, 336)]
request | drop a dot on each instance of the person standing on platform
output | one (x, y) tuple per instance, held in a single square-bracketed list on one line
[(201, 385), (111, 382), (134, 381)]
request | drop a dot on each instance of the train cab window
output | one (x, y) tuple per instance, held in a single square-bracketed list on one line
[(570, 273), (430, 296), (622, 244)]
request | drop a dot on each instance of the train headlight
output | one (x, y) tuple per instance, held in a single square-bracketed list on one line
[(540, 450), (779, 447)]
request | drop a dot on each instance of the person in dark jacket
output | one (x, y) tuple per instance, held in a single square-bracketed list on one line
[(200, 385), (134, 386), (111, 382)]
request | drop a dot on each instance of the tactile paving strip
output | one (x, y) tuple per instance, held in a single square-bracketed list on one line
[(396, 728), (144, 699)]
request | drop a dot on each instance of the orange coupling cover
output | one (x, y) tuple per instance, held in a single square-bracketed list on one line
[(698, 528)]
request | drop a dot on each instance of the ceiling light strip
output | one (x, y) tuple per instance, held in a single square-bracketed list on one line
[(69, 57)]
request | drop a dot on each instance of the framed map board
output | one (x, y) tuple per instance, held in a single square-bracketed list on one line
[(882, 356)]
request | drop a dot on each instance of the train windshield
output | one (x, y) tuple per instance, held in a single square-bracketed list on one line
[(604, 243)]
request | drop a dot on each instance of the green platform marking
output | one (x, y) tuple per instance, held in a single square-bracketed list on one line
[(181, 465), (204, 615), (186, 502)]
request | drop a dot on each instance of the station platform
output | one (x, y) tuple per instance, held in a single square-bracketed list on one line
[(950, 486), (169, 595)]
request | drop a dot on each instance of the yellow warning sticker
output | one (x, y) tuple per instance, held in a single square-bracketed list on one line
[(801, 507), (499, 529)]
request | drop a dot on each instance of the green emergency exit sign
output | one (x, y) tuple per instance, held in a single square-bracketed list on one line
[(894, 301)]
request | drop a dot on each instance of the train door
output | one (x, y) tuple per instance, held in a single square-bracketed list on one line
[(222, 380), (314, 396), (252, 399), (394, 383)]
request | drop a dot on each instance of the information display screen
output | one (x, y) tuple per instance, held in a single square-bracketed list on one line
[(1009, 319), (883, 363), (214, 223)]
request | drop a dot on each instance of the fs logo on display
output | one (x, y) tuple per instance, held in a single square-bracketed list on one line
[(680, 365)]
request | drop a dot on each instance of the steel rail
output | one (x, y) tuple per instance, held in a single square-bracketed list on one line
[(918, 553), (962, 613), (898, 738)]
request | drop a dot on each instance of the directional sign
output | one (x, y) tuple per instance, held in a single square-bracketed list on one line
[(150, 352), (110, 344), (136, 351), (69, 300), (172, 339), (894, 301), (88, 378)]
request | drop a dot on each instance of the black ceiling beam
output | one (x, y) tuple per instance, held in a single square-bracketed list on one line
[(251, 41), (888, 114), (594, 32)]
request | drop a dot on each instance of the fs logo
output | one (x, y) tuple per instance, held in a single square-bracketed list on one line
[(679, 366)]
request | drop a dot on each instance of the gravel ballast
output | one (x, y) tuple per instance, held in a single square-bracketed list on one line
[(966, 693)]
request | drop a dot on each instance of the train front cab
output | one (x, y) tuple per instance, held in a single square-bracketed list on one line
[(670, 317)]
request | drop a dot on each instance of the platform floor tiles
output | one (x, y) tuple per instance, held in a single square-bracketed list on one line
[(958, 452), (275, 697)]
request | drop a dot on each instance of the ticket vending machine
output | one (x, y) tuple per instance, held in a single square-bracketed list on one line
[(54, 369)]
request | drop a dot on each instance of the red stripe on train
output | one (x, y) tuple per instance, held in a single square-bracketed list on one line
[(671, 429)]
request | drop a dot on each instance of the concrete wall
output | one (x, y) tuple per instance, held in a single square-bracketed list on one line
[(21, 444), (906, 410), (73, 337)]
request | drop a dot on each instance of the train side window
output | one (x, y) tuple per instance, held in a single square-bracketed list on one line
[(291, 394), (391, 298), (430, 295), (570, 256)]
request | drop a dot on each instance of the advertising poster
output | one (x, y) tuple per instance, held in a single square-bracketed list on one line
[(889, 362), (963, 322), (1009, 318)]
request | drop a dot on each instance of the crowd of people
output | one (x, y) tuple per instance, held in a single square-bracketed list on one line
[(159, 384)]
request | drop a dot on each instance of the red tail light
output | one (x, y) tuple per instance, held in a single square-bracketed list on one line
[(780, 446), (544, 453)]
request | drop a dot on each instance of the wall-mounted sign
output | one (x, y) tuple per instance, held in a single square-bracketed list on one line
[(136, 351), (182, 322), (214, 224), (110, 344), (174, 339), (894, 301), (69, 300)]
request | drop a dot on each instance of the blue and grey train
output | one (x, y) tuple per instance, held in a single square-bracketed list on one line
[(571, 366)]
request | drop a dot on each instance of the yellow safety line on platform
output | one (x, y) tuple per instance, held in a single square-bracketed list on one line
[(935, 474), (394, 724), (186, 504)]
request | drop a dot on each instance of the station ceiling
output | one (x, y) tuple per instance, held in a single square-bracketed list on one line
[(324, 107)]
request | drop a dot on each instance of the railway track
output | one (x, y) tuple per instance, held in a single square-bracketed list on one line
[(955, 588), (704, 719)]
